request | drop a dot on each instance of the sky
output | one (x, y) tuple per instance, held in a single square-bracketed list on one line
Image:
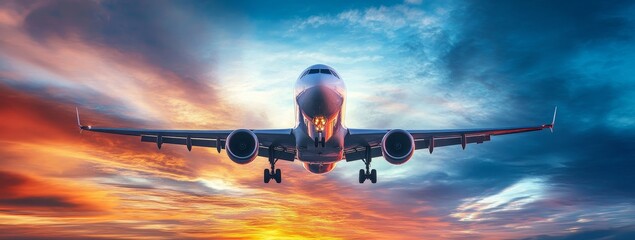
[(411, 64)]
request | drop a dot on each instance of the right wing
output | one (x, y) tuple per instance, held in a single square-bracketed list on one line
[(358, 140), (281, 140)]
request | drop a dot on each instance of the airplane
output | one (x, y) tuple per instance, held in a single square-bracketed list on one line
[(320, 138)]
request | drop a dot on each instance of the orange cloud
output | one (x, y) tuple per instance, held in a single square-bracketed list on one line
[(20, 193)]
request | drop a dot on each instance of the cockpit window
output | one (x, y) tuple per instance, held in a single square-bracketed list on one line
[(323, 71), (304, 73)]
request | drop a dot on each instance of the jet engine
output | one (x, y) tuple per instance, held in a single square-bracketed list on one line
[(242, 146), (397, 146)]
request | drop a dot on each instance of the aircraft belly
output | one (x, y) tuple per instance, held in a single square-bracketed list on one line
[(320, 155), (331, 152)]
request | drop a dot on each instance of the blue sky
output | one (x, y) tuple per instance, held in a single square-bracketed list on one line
[(407, 64)]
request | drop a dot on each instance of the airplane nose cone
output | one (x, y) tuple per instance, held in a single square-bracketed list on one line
[(320, 100)]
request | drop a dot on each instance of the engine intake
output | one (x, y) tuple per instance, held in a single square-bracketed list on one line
[(242, 146), (397, 146)]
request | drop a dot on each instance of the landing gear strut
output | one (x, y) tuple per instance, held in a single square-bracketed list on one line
[(274, 173), (367, 174), (319, 140)]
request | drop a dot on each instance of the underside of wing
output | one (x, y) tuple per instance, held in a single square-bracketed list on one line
[(280, 141), (359, 141)]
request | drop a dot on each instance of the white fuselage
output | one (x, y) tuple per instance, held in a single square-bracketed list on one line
[(320, 100)]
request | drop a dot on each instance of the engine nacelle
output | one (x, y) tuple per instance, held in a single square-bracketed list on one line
[(397, 146), (242, 146)]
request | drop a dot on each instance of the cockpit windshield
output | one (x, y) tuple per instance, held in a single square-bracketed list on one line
[(323, 71)]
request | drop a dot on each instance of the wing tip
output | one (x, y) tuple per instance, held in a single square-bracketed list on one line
[(79, 123), (553, 120)]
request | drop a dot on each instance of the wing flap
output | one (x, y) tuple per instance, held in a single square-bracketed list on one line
[(182, 141), (441, 142), (360, 153), (278, 153)]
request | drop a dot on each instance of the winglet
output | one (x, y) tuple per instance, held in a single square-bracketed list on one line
[(79, 124), (553, 121)]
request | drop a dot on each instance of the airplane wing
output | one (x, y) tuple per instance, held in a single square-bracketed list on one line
[(281, 140), (358, 140)]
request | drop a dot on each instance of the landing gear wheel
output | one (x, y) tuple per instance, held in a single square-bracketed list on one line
[(267, 176), (373, 176), (362, 176), (367, 173), (278, 176), (272, 173)]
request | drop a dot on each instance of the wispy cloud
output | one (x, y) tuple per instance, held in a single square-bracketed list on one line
[(511, 198), (382, 19)]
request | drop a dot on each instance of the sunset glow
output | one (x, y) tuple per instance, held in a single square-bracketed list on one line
[(232, 64)]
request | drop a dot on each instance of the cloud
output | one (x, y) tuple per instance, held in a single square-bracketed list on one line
[(20, 193), (511, 198), (83, 57), (611, 233), (382, 19)]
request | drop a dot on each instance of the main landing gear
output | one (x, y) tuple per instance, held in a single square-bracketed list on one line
[(367, 174), (274, 173)]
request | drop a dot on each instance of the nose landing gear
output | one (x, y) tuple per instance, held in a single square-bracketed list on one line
[(367, 174), (319, 140)]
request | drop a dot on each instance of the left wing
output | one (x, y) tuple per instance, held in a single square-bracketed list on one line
[(281, 140), (358, 140)]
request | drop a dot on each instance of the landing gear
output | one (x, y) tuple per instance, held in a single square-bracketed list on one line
[(274, 173), (362, 176), (319, 141), (367, 174), (277, 175)]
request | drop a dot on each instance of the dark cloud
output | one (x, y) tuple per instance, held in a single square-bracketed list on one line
[(528, 53), (175, 37), (47, 201), (16, 194), (531, 56), (100, 230), (621, 233)]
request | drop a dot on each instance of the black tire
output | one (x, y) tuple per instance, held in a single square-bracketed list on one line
[(373, 176), (278, 176), (362, 176), (267, 176)]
